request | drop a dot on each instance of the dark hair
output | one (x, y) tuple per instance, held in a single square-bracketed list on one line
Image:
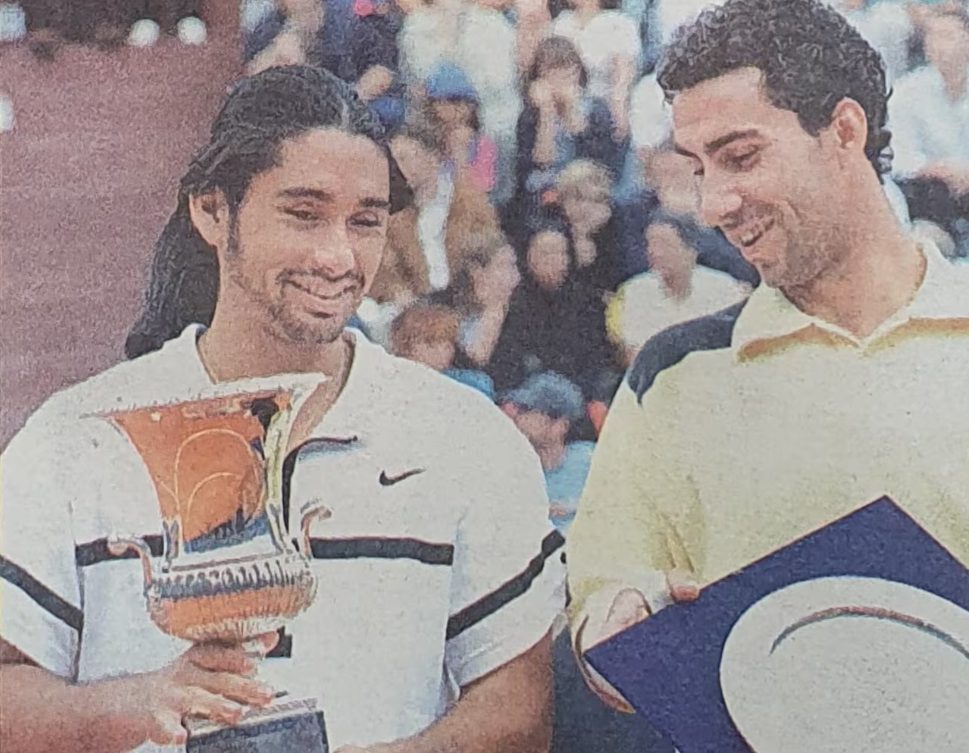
[(557, 52), (811, 58), (260, 113)]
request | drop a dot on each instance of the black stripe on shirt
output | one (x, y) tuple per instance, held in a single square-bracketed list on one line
[(671, 346), (45, 598), (488, 605), (95, 552), (383, 548)]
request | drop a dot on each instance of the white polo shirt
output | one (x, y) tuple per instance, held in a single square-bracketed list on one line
[(425, 585)]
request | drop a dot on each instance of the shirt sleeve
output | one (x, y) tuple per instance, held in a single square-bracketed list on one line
[(42, 612), (509, 573), (637, 504)]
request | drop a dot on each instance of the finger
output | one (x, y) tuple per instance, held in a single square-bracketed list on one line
[(628, 608), (215, 658), (168, 729), (231, 686), (199, 702), (682, 586)]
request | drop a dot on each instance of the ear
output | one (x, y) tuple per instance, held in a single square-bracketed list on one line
[(849, 128), (210, 215)]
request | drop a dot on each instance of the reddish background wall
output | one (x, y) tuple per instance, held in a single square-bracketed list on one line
[(87, 181)]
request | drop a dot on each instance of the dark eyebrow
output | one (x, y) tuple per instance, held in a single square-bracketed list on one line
[(317, 194), (717, 144)]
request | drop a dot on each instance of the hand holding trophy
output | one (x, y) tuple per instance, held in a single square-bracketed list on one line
[(230, 573)]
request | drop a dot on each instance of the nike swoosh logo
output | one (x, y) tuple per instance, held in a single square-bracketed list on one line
[(386, 480)]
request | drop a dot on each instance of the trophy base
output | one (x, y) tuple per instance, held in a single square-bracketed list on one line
[(282, 728)]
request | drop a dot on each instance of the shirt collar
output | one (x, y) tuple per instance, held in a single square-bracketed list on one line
[(338, 421), (769, 317)]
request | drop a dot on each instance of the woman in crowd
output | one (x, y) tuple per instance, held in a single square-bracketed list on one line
[(555, 322), (561, 122), (609, 42), (451, 115), (480, 294), (426, 243)]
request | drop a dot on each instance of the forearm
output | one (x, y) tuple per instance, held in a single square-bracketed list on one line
[(40, 712), (545, 149), (510, 710), (486, 336)]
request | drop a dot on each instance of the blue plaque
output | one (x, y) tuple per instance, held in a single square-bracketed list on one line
[(855, 637)]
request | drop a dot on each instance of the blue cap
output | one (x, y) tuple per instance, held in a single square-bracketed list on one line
[(448, 81), (548, 393)]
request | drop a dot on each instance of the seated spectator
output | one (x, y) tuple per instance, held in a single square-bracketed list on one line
[(452, 117), (555, 322), (426, 242), (583, 199), (481, 42), (285, 36), (480, 294), (428, 334), (888, 27), (373, 60), (674, 290), (609, 43), (544, 408), (561, 122), (929, 118)]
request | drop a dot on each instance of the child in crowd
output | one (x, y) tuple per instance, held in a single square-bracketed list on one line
[(428, 334), (544, 409)]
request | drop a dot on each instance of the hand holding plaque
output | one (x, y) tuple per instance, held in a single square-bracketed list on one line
[(229, 572)]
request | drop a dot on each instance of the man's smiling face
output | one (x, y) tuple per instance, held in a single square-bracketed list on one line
[(771, 187)]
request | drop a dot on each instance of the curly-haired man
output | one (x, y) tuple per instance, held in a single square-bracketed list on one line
[(831, 386)]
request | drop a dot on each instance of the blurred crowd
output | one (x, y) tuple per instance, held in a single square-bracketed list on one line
[(554, 228)]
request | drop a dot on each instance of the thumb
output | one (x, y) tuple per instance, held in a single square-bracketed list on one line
[(628, 608), (168, 729), (682, 586)]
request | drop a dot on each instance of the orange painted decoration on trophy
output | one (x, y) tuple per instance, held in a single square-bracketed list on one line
[(201, 458)]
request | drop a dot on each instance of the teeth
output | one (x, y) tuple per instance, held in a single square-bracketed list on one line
[(750, 236)]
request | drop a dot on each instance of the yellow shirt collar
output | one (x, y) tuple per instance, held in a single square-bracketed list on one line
[(769, 316)]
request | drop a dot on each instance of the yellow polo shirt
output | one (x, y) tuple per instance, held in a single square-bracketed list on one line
[(736, 434)]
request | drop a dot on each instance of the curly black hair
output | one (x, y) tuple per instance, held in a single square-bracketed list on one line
[(811, 58), (260, 113)]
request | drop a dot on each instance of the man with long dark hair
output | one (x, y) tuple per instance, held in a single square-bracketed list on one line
[(832, 385), (439, 576)]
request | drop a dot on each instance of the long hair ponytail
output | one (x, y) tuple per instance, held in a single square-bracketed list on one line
[(260, 113)]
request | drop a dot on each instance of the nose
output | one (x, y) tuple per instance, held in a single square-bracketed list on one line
[(719, 201), (332, 252)]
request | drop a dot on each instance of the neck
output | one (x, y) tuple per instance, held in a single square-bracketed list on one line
[(551, 455), (233, 348), (880, 272)]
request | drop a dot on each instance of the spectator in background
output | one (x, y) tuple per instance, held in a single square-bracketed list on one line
[(609, 43), (554, 322), (426, 243), (929, 115), (452, 117), (583, 194), (481, 42), (888, 27), (561, 122), (428, 334), (544, 408), (675, 289), (480, 294), (354, 39), (373, 61)]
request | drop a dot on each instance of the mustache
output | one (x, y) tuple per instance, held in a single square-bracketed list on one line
[(294, 275)]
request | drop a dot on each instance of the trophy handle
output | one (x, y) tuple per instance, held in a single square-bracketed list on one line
[(320, 513), (119, 545)]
